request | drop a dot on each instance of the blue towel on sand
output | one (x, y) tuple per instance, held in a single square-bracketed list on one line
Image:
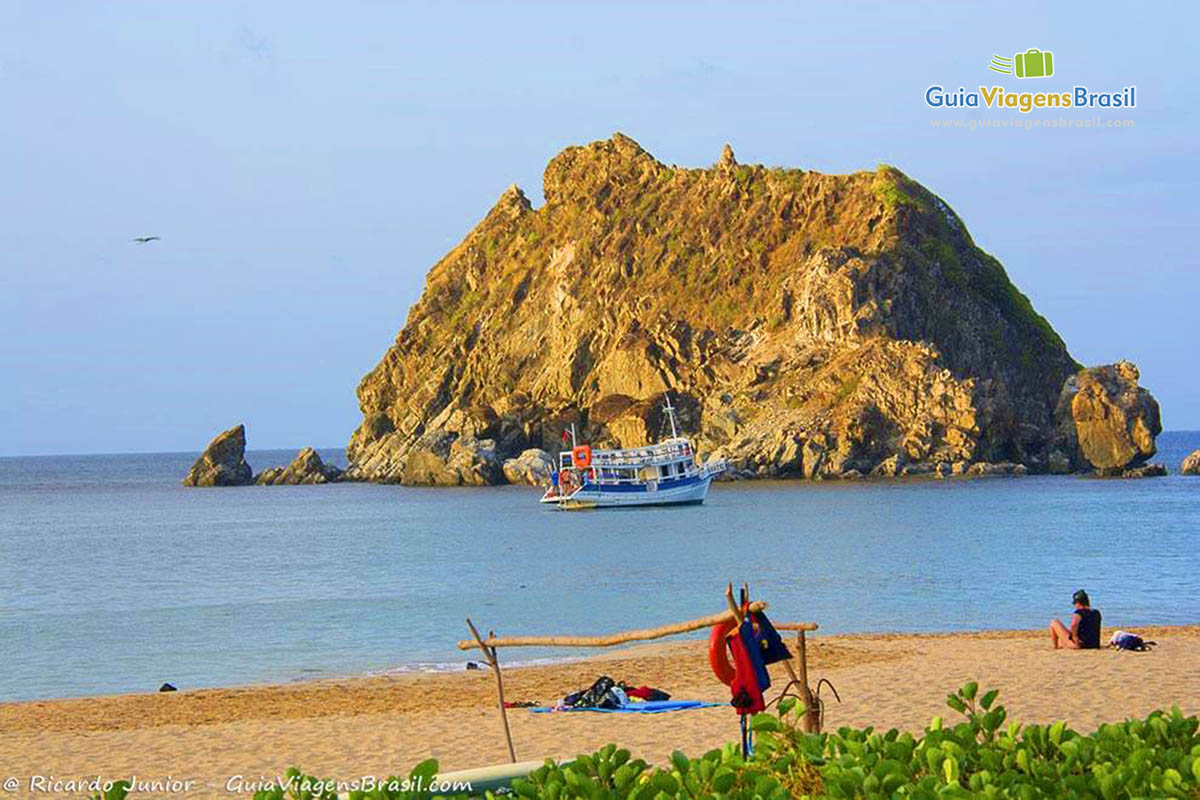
[(652, 707)]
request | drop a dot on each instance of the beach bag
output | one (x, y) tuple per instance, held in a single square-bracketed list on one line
[(1123, 640), (593, 696), (614, 698)]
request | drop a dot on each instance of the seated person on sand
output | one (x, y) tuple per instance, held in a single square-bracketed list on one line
[(1085, 627)]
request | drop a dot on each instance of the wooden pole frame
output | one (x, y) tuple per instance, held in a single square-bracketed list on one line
[(489, 652), (812, 714), (490, 645), (623, 637)]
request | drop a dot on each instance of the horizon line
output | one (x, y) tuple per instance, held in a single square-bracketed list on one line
[(157, 452)]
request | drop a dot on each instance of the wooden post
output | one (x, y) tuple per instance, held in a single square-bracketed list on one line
[(494, 662), (812, 715), (734, 608), (793, 677)]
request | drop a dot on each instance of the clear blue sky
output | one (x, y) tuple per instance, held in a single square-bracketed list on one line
[(306, 163)]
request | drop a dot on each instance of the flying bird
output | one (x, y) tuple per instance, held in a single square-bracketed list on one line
[(144, 239)]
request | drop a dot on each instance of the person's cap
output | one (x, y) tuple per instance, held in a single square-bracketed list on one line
[(1080, 597)]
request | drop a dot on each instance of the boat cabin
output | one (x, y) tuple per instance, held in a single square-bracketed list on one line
[(667, 460)]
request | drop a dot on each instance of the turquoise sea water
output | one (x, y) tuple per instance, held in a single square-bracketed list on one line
[(115, 578)]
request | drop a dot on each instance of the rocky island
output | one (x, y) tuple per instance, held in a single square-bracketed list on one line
[(223, 463), (306, 468), (810, 325)]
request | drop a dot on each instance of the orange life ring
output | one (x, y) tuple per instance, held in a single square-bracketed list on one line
[(581, 456), (718, 653)]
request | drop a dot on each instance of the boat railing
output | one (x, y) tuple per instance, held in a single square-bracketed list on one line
[(675, 451), (609, 481), (642, 455), (691, 470)]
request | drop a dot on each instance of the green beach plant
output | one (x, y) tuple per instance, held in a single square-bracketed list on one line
[(118, 790), (983, 754)]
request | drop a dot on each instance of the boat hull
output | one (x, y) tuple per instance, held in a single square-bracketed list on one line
[(688, 491)]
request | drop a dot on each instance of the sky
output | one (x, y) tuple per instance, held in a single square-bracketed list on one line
[(305, 164)]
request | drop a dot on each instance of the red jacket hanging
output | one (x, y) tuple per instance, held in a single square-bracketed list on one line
[(747, 694)]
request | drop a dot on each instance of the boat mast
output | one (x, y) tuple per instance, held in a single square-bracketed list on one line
[(671, 416)]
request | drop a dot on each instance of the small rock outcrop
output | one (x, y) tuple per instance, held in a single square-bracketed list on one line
[(306, 468), (531, 468), (1002, 468), (1191, 464), (1145, 471), (1105, 421), (727, 161), (223, 462)]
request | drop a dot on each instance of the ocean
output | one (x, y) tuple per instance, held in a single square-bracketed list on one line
[(115, 578)]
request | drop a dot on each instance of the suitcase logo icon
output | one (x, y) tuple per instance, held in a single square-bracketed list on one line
[(1033, 63)]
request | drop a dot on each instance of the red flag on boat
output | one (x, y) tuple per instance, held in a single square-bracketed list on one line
[(566, 437)]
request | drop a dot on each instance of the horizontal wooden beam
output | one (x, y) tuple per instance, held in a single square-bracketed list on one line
[(625, 637)]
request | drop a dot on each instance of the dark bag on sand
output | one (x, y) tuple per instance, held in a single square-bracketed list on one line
[(1131, 641), (593, 696)]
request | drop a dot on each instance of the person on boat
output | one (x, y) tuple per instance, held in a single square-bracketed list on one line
[(1084, 633)]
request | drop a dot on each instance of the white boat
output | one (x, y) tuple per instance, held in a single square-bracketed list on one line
[(662, 474)]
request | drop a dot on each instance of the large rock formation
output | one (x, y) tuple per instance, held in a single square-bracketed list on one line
[(223, 463), (1105, 421), (805, 324), (306, 468), (1191, 464)]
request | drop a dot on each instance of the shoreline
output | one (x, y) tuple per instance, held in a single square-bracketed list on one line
[(824, 650), (571, 656)]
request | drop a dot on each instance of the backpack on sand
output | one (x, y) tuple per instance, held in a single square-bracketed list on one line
[(1123, 640)]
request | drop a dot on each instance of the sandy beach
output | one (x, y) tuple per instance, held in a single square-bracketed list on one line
[(383, 725)]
